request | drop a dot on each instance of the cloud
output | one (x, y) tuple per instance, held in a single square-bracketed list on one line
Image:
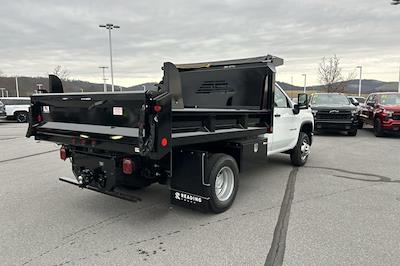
[(38, 35)]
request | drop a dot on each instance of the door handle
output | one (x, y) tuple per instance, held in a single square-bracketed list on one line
[(277, 115)]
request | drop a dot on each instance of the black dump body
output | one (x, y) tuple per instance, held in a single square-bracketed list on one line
[(197, 110), (194, 104)]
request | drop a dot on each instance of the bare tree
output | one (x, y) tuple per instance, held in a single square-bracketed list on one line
[(330, 74), (61, 72)]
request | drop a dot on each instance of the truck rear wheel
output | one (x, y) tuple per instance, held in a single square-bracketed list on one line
[(223, 178), (21, 117), (299, 154)]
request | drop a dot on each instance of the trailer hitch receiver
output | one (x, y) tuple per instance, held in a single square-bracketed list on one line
[(85, 178)]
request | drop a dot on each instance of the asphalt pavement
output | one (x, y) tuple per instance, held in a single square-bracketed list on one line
[(342, 208)]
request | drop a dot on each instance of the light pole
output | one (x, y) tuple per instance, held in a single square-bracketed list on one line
[(2, 92), (104, 78), (16, 86), (305, 82), (109, 27), (398, 89), (359, 82)]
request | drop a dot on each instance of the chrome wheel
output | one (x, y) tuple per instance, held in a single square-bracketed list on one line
[(224, 183), (305, 150)]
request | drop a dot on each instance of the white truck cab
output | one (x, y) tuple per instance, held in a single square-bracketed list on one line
[(292, 130), (16, 108)]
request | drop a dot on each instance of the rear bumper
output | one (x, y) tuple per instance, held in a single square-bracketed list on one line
[(335, 124)]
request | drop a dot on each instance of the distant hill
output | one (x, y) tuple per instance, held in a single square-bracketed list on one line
[(27, 85), (367, 86)]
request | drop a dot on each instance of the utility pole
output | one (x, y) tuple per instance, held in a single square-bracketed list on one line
[(39, 87), (109, 27), (305, 82), (16, 86), (359, 81), (104, 78)]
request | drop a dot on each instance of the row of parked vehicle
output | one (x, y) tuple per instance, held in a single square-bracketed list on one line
[(335, 111)]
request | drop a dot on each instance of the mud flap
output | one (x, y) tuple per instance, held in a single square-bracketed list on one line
[(189, 183)]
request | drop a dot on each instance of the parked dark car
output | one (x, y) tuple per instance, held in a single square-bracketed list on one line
[(382, 110), (334, 111)]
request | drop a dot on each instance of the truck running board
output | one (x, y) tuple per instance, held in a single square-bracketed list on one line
[(114, 193)]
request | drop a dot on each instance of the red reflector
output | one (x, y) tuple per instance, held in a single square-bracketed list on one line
[(164, 142), (93, 142), (157, 108), (63, 154), (39, 118), (127, 166)]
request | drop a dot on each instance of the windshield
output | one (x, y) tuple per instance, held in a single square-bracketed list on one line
[(328, 99), (390, 99)]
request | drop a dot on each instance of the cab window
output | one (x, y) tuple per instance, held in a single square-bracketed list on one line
[(280, 99)]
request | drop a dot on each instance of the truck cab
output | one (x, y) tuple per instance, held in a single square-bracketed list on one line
[(291, 126)]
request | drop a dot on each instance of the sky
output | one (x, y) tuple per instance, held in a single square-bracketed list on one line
[(38, 35)]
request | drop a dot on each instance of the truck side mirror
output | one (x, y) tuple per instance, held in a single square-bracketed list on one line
[(302, 100), (302, 103)]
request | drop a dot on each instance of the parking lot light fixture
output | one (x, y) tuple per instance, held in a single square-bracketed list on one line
[(305, 82), (110, 27), (359, 81)]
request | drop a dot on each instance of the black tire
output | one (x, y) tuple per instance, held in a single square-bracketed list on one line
[(216, 163), (21, 117), (352, 132), (296, 155), (378, 128), (360, 125)]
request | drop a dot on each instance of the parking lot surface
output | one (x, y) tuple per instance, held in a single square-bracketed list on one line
[(342, 208)]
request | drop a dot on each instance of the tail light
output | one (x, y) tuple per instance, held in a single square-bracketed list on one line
[(63, 153), (157, 108), (164, 142), (39, 118), (127, 166)]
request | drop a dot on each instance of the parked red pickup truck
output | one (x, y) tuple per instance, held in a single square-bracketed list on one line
[(382, 110)]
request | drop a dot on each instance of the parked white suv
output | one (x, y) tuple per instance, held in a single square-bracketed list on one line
[(16, 108), (292, 129)]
